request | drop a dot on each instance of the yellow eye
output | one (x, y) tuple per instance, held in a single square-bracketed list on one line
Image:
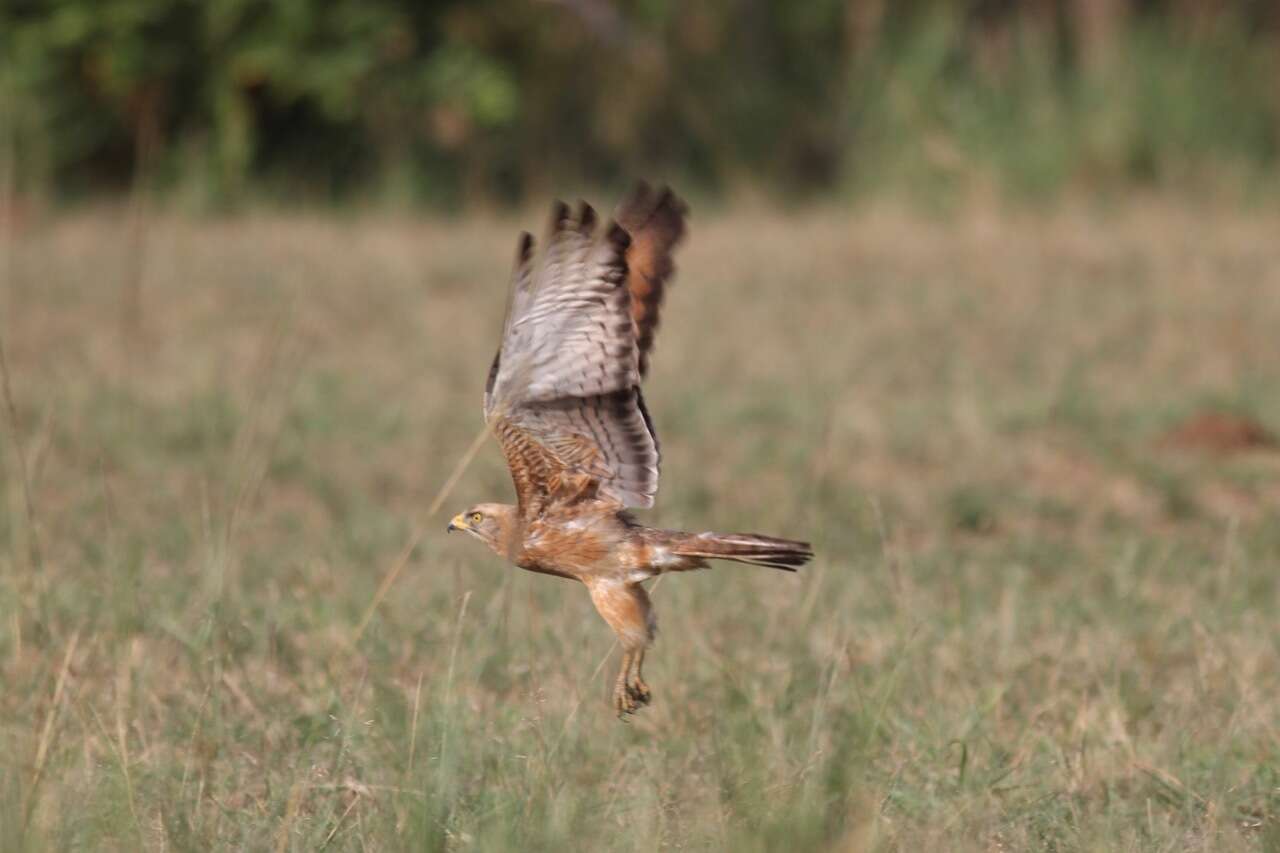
[(476, 518)]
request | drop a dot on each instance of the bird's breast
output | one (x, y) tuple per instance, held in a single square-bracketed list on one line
[(566, 546)]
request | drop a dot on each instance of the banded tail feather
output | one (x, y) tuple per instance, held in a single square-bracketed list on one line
[(785, 554)]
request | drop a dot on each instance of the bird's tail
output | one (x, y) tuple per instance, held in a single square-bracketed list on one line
[(785, 554)]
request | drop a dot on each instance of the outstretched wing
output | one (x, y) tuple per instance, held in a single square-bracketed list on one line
[(563, 394), (655, 221)]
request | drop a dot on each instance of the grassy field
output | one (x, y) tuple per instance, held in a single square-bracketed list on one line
[(1033, 623)]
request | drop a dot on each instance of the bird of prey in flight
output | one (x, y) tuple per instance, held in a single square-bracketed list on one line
[(563, 400)]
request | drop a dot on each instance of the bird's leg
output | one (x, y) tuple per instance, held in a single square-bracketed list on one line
[(623, 700), (637, 688)]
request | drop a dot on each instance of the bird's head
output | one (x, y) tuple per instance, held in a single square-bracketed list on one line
[(492, 524)]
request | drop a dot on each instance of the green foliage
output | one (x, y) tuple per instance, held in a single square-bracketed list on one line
[(450, 102), (1156, 104)]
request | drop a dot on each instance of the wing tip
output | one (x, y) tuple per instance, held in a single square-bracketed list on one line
[(559, 216), (586, 217), (643, 204), (673, 204), (618, 236)]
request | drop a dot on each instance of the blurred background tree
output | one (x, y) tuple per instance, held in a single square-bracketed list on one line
[(456, 103)]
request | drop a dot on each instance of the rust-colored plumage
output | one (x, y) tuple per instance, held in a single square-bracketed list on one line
[(563, 400), (655, 222)]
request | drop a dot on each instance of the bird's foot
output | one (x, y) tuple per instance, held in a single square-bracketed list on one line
[(623, 702), (630, 696), (639, 691)]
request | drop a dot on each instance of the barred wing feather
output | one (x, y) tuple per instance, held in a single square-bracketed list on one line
[(563, 393)]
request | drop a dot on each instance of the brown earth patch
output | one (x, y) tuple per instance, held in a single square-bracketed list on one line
[(1219, 432)]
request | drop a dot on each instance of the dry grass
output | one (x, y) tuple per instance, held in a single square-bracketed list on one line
[(1031, 625)]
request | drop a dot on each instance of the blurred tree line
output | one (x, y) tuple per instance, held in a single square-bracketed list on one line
[(493, 100)]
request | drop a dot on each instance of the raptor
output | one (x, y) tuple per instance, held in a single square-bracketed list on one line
[(563, 400)]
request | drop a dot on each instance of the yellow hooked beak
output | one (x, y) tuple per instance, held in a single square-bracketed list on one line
[(459, 523)]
